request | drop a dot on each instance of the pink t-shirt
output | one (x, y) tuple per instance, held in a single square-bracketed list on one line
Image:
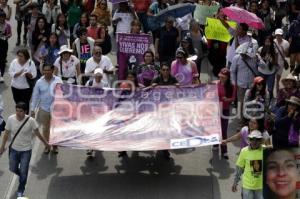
[(184, 73)]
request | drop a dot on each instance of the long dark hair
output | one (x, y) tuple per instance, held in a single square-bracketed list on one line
[(270, 50), (57, 21), (253, 90), (228, 87), (260, 124), (36, 28), (48, 40)]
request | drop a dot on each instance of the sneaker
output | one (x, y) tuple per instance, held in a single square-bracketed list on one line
[(20, 194), (1, 80), (89, 152)]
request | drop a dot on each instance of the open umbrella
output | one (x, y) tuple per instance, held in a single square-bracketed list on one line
[(178, 10), (243, 16)]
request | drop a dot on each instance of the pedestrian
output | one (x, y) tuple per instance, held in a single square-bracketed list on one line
[(96, 82), (257, 99), (83, 47), (287, 124), (5, 34), (100, 61), (252, 179), (227, 92), (21, 128), (267, 65), (282, 50), (42, 99), (21, 69), (61, 28), (147, 70), (253, 124), (67, 66), (103, 14), (183, 69), (22, 8), (242, 72), (289, 89)]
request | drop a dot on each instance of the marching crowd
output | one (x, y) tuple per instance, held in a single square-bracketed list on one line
[(68, 41)]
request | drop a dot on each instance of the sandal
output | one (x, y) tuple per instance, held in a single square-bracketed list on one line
[(55, 150)]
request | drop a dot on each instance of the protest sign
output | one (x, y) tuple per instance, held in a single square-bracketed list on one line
[(131, 48), (202, 12), (118, 120), (215, 30)]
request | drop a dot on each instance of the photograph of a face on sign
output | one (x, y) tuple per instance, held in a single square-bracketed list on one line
[(256, 166), (281, 173)]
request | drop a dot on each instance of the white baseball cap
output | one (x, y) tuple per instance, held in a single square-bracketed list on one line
[(278, 31), (255, 134), (98, 71)]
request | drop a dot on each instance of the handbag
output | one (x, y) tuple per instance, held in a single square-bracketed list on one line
[(293, 136), (17, 133), (30, 82), (286, 64)]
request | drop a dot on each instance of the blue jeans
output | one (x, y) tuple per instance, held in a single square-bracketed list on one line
[(252, 194), (19, 164)]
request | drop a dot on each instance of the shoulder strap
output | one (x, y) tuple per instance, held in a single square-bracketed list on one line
[(20, 128), (90, 82), (254, 73), (279, 51)]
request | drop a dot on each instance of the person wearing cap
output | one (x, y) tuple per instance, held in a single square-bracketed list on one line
[(5, 34), (227, 92), (247, 167), (257, 99), (42, 99), (67, 66), (242, 71), (287, 124), (99, 61), (97, 81), (282, 50), (183, 69), (187, 45), (289, 89)]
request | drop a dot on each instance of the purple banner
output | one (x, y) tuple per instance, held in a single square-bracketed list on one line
[(131, 48), (119, 120)]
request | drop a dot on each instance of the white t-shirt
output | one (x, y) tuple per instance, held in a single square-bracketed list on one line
[(123, 26), (68, 68), (23, 141), (20, 82), (105, 63)]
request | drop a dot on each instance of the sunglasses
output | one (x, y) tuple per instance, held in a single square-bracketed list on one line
[(165, 69)]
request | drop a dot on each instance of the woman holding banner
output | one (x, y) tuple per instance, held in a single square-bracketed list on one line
[(184, 70), (226, 96)]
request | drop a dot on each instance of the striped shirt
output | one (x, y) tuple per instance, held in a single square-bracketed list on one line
[(240, 73)]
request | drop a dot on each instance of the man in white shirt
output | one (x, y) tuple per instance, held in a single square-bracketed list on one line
[(99, 61), (22, 143), (282, 49)]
